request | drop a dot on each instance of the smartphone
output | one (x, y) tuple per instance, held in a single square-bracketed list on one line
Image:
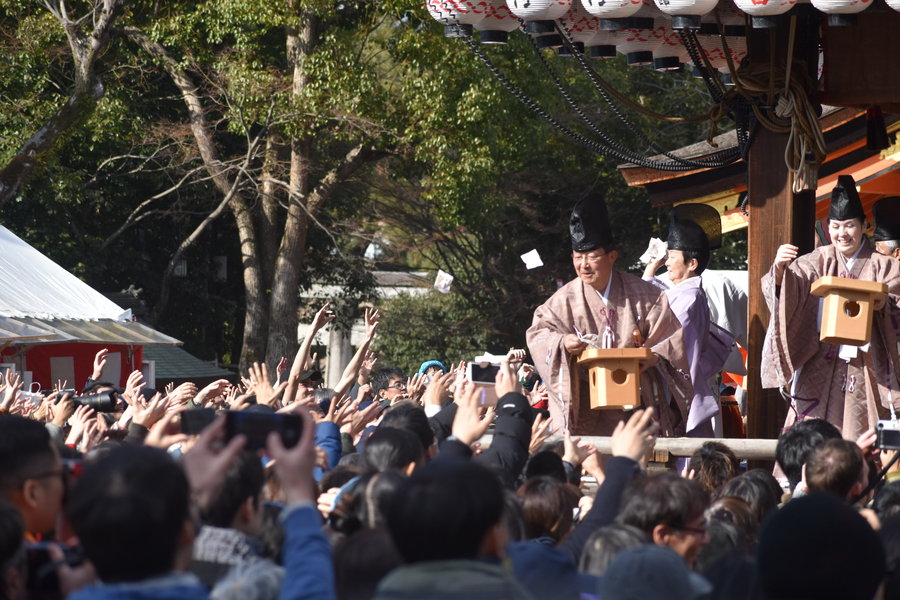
[(482, 374), (195, 420), (41, 570), (257, 426)]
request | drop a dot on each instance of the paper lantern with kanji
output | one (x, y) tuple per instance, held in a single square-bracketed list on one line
[(458, 16), (539, 10), (612, 9), (686, 13), (494, 28)]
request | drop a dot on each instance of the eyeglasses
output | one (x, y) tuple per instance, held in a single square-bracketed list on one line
[(591, 258), (45, 475), (396, 386)]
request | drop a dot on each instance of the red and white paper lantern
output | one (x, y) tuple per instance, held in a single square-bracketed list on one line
[(638, 45), (494, 28), (458, 16), (612, 9), (686, 14)]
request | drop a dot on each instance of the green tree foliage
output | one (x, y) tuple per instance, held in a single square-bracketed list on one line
[(449, 169)]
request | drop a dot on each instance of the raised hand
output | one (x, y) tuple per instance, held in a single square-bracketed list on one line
[(208, 394), (166, 433), (259, 375), (147, 413), (506, 381), (635, 438), (575, 452), (540, 431), (365, 369), (79, 421), (62, 410), (469, 424), (181, 395), (322, 318), (415, 386), (280, 368), (438, 391), (13, 385), (372, 318), (515, 357), (783, 257), (133, 385), (99, 364)]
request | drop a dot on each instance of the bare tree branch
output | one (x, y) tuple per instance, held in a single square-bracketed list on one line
[(88, 88)]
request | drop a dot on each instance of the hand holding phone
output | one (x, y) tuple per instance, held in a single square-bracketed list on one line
[(256, 427)]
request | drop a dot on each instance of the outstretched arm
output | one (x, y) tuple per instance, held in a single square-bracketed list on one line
[(352, 370), (301, 360)]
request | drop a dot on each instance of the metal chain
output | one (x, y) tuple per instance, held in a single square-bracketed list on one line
[(717, 159)]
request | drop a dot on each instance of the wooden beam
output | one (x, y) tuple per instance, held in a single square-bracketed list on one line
[(748, 449), (777, 216)]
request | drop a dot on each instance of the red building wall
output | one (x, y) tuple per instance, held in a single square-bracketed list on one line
[(37, 360)]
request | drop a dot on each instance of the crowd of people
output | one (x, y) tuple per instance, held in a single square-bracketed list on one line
[(391, 491), (429, 485)]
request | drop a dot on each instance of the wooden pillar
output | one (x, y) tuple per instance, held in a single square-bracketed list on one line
[(777, 216)]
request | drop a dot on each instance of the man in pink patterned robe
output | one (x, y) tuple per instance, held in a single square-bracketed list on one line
[(851, 387), (626, 310)]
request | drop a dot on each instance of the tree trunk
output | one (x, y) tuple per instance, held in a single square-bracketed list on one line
[(86, 48)]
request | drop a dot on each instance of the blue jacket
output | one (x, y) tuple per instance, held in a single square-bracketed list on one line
[(167, 587), (328, 438)]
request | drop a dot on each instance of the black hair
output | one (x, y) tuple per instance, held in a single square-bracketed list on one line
[(795, 446), (96, 385), (361, 561), (714, 464), (366, 503), (411, 417), (392, 448), (546, 463), (548, 506), (887, 500), (444, 511), (759, 495), (382, 376), (662, 499), (702, 257), (243, 480), (340, 475), (606, 543), (128, 510), (25, 450)]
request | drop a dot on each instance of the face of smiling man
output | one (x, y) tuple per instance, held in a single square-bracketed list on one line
[(846, 235), (594, 267)]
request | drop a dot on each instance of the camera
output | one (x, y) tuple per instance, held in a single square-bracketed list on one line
[(887, 435), (257, 426), (107, 401)]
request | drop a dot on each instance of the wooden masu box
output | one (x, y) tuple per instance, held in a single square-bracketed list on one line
[(847, 309), (614, 375)]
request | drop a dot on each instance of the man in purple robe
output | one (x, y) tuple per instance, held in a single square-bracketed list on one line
[(695, 229), (619, 308), (852, 387)]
